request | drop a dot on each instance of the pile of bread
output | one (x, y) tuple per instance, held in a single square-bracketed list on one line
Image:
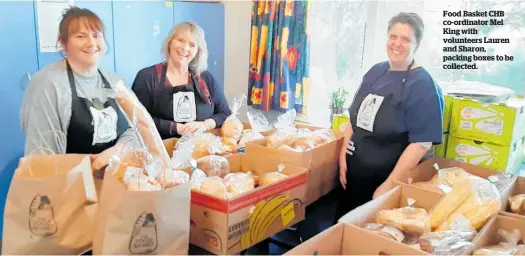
[(212, 176), (299, 139), (451, 225)]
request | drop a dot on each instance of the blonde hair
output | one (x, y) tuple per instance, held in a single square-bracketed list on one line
[(199, 64)]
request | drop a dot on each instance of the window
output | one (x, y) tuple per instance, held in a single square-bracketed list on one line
[(348, 38)]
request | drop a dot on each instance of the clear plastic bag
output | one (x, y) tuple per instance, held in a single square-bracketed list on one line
[(238, 183), (272, 177), (258, 121), (456, 241), (517, 204), (249, 135), (213, 186), (197, 176), (507, 246), (501, 180), (387, 231), (217, 166), (408, 219), (139, 118), (200, 144), (286, 132), (232, 126), (135, 180)]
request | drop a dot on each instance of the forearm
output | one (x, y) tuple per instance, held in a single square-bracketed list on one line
[(408, 160), (346, 141)]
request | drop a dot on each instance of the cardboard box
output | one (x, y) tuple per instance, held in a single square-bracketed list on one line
[(346, 239), (230, 226), (447, 113), (517, 189), (322, 162), (393, 199), (497, 123), (425, 171), (340, 121), (441, 150), (489, 234), (484, 154)]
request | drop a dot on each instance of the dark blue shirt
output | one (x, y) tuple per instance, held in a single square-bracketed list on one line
[(418, 102)]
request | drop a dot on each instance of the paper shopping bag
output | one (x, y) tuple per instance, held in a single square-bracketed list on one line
[(45, 210), (142, 222)]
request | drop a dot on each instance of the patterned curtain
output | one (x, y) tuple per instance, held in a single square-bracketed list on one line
[(279, 57)]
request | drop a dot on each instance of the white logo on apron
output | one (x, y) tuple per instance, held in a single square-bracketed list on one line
[(368, 111), (105, 125), (184, 109)]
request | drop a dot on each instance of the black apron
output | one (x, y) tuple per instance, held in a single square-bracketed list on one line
[(371, 155), (163, 99), (81, 128)]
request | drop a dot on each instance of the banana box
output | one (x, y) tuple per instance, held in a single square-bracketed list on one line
[(497, 123), (447, 112), (441, 149), (490, 235), (322, 162), (518, 189), (347, 239), (423, 175), (484, 154), (340, 121), (223, 226)]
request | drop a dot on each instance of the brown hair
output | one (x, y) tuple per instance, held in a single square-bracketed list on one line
[(413, 20), (72, 20)]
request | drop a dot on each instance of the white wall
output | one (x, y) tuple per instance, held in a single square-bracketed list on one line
[(237, 53)]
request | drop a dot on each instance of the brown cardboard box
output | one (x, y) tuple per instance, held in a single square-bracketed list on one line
[(489, 234), (347, 239), (323, 162), (230, 226), (518, 189), (393, 199), (425, 171)]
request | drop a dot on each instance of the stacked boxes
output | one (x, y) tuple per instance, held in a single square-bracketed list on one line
[(440, 150), (490, 135)]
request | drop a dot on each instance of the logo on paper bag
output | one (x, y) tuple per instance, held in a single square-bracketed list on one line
[(144, 235), (41, 219)]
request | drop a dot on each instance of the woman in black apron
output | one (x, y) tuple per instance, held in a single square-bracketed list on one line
[(89, 115), (180, 95), (395, 117)]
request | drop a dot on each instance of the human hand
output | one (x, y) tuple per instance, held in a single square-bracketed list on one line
[(197, 126), (183, 129), (386, 186), (101, 161)]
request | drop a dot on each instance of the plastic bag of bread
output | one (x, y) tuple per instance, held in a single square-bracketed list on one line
[(483, 203), (271, 177), (229, 144), (387, 231), (501, 180), (456, 241), (507, 246), (238, 183), (249, 135), (139, 118), (408, 219), (214, 166), (304, 143), (286, 132), (213, 186), (200, 144), (232, 126), (449, 177), (323, 136), (517, 204), (135, 180), (197, 176)]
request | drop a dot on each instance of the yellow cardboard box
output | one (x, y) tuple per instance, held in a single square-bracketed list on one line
[(339, 122), (447, 113), (497, 123), (484, 154), (440, 150)]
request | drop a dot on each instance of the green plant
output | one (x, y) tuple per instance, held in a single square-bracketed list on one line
[(338, 101)]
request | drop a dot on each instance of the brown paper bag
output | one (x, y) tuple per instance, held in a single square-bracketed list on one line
[(45, 210), (140, 222)]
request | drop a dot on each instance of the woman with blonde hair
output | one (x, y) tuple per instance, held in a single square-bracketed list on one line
[(180, 94)]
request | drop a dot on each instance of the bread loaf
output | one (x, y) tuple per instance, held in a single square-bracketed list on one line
[(271, 177)]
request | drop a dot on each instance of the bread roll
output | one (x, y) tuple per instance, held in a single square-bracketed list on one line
[(282, 137), (305, 143), (323, 136), (249, 135), (271, 177), (517, 204), (232, 128), (173, 178), (238, 183), (213, 186), (140, 182), (214, 166), (230, 144), (387, 231)]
